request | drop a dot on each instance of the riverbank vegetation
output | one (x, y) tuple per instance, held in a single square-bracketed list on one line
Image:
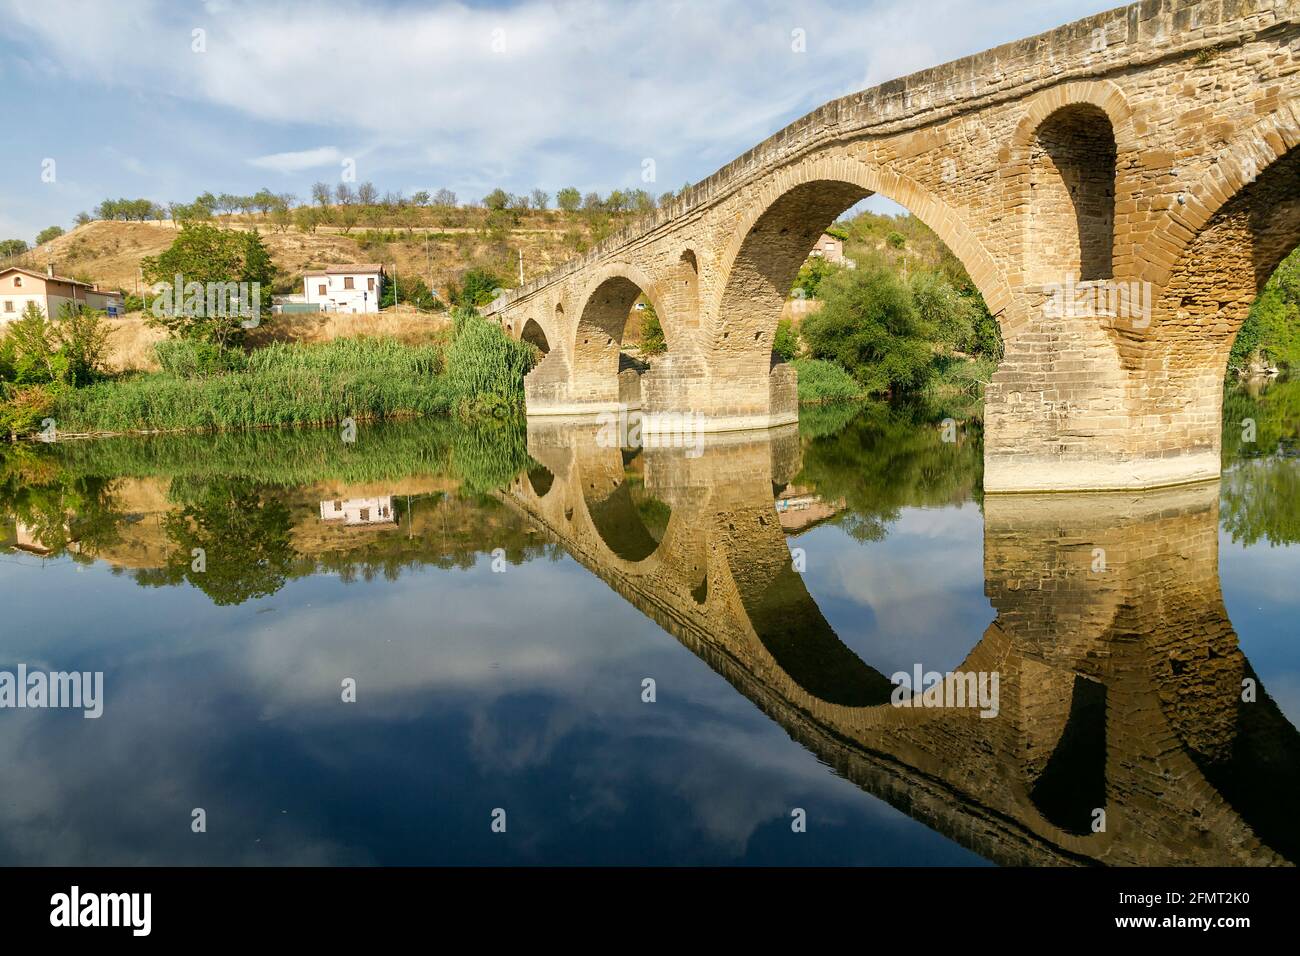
[(900, 317), (50, 375), (1269, 340)]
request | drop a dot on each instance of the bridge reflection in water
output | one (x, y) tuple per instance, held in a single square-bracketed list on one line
[(1121, 680)]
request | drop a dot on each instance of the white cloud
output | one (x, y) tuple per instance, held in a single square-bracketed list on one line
[(297, 161), (508, 86)]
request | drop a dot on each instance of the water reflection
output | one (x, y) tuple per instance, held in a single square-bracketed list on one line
[(1121, 677)]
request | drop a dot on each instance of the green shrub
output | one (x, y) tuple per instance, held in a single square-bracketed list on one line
[(652, 332), (870, 326), (822, 381), (195, 358), (786, 341), (25, 407)]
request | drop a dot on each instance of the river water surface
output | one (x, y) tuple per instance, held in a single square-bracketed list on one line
[(655, 656)]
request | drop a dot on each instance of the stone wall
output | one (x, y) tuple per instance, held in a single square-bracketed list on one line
[(1148, 149)]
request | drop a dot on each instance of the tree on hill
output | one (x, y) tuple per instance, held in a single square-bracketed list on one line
[(47, 234), (497, 199), (12, 247), (204, 254), (568, 199)]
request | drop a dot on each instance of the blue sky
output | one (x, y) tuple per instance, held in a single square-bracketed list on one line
[(425, 95)]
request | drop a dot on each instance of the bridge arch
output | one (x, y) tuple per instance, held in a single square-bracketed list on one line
[(1249, 156), (763, 258), (534, 334), (1228, 237), (1067, 180), (598, 333)]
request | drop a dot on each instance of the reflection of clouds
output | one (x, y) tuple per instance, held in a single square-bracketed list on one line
[(896, 602), (432, 631), (1260, 593), (522, 688), (1261, 572)]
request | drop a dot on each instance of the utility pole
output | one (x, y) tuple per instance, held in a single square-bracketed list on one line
[(521, 267)]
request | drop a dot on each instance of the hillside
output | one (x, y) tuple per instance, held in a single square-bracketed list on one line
[(109, 251)]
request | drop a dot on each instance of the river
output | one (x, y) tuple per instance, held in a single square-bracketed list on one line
[(524, 644)]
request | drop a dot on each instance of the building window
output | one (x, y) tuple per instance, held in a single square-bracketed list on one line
[(9, 305), (365, 514), (347, 282), (370, 284), (320, 289), (18, 282)]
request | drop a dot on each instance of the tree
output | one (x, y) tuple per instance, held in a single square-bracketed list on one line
[(367, 195), (35, 344), (83, 335), (568, 199), (652, 332), (541, 199), (591, 202), (444, 199), (666, 199), (870, 326), (12, 247), (477, 286), (497, 199), (320, 193), (204, 254), (410, 290), (47, 234), (344, 195), (264, 200), (421, 197), (245, 536), (306, 218), (83, 218)]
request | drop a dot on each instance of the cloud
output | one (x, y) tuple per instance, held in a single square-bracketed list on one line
[(300, 160), (513, 83)]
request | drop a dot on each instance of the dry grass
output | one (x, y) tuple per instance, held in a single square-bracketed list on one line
[(408, 326), (130, 344), (110, 252)]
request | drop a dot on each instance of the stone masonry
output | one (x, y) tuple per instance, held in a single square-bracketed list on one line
[(1118, 188)]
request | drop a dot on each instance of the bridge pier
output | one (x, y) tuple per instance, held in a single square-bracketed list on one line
[(677, 391)]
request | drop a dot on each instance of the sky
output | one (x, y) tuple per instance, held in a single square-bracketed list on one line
[(166, 100)]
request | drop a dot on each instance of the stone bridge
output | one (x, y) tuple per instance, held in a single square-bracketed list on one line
[(1118, 189), (1120, 688)]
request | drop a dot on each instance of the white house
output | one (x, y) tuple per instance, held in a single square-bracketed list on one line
[(351, 288), (19, 286), (359, 511)]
